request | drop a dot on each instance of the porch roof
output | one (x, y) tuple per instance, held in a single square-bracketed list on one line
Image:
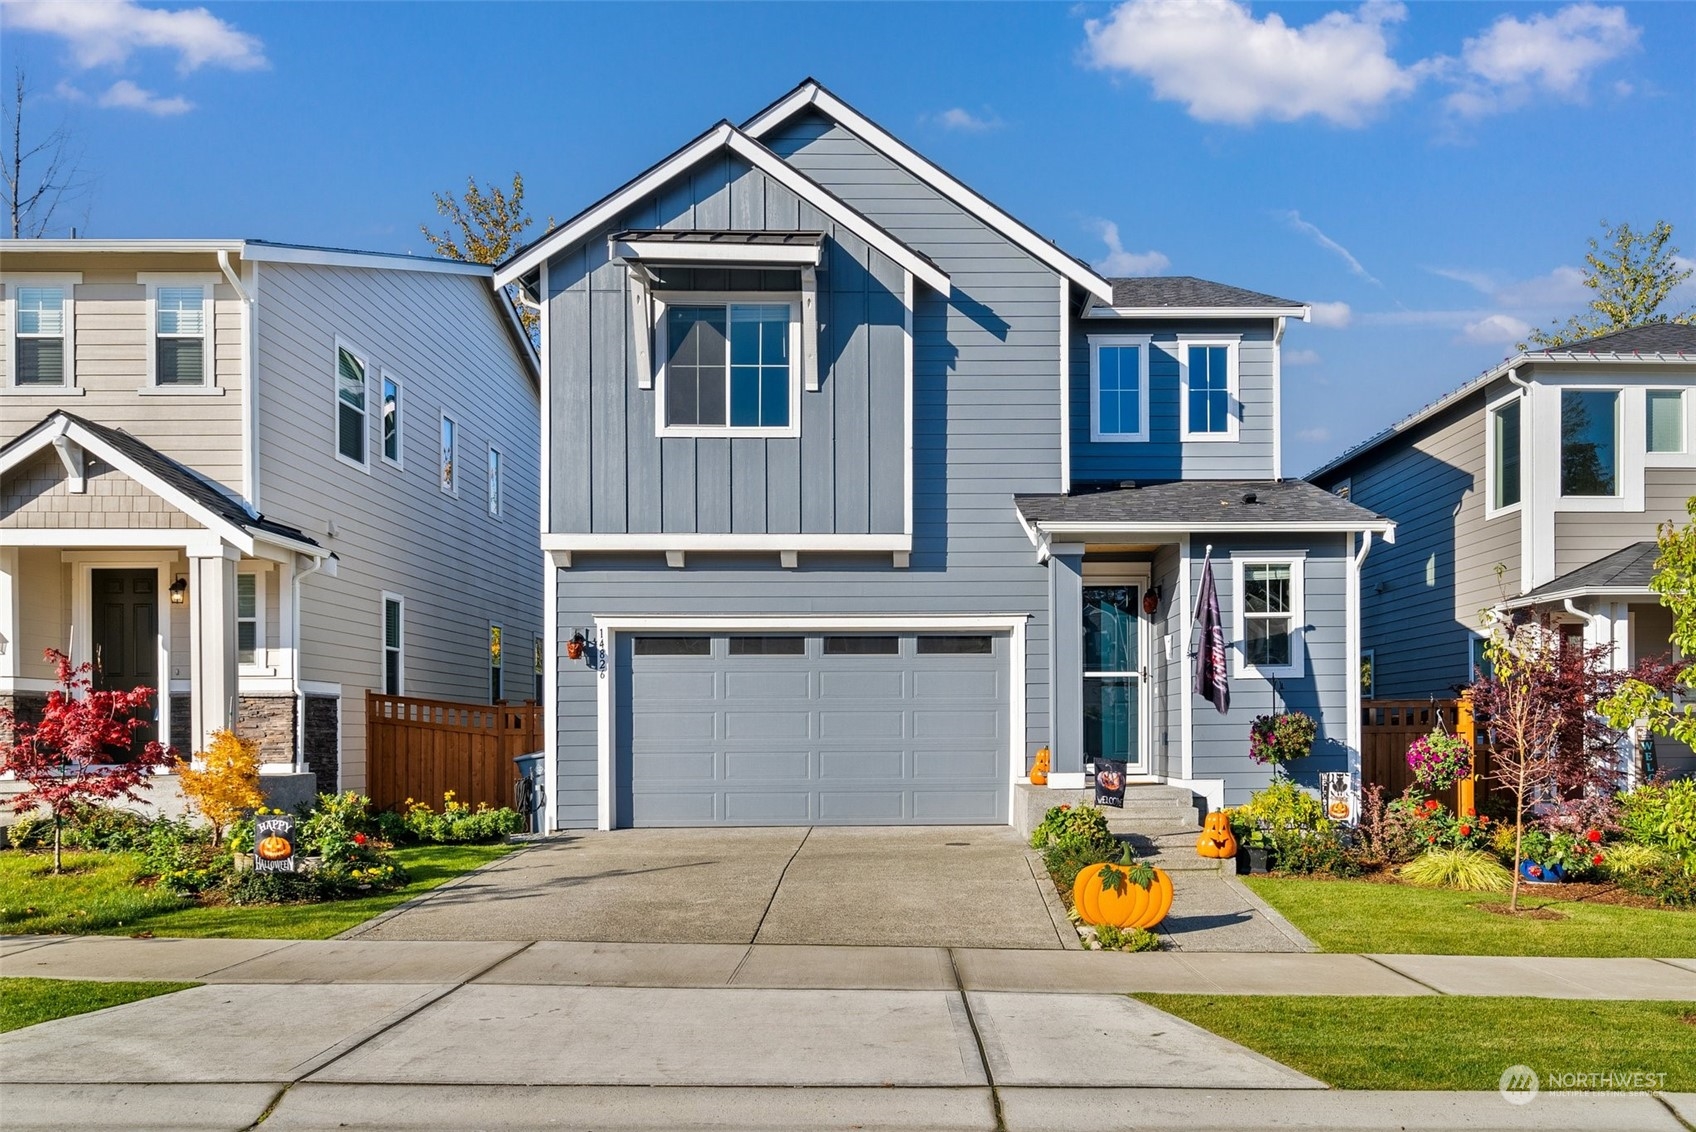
[(1199, 505), (1624, 573)]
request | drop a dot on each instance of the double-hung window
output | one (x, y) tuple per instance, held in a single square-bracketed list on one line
[(350, 407), (1505, 454), (1590, 442), (394, 645), (180, 328), (1207, 372), (1118, 388), (1268, 614), (249, 599), (729, 367), (41, 340)]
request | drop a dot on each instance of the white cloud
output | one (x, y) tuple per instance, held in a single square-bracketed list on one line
[(1301, 357), (1294, 220), (1118, 261), (1314, 435), (1334, 315), (959, 118), (1496, 329), (125, 95), (1561, 287), (108, 32), (1515, 60), (1226, 66)]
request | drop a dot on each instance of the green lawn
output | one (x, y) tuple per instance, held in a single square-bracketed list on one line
[(24, 1002), (1341, 915), (99, 893), (1442, 1042)]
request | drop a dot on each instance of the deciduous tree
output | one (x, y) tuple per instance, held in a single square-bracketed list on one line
[(226, 786), (484, 227), (1646, 699), (43, 174), (1632, 276)]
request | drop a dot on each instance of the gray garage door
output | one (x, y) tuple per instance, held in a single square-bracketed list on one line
[(820, 729)]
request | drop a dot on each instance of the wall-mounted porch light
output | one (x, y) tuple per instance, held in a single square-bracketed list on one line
[(179, 590), (574, 647)]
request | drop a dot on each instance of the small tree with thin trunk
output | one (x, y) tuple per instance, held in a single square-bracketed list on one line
[(226, 787), (79, 753)]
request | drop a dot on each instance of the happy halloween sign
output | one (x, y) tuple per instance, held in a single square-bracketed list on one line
[(273, 843)]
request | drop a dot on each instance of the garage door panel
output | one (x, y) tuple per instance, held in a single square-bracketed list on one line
[(861, 724), (871, 766), (695, 766), (771, 684), (674, 726), (674, 683), (961, 684), (838, 685), (973, 767), (956, 724), (862, 807), (768, 725), (769, 807), (671, 807), (950, 807), (766, 766)]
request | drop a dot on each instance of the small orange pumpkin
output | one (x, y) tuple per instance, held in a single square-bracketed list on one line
[(1216, 838), (274, 848), (1121, 902), (1039, 769)]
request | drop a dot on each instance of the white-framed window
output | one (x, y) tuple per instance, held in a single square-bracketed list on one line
[(729, 365), (494, 492), (41, 333), (1268, 611), (1478, 662), (1663, 413), (1590, 448), (1504, 455), (1208, 388), (1368, 674), (495, 690), (539, 659), (392, 408), (394, 644), (1118, 387), (250, 619), (352, 414), (180, 354), (450, 455)]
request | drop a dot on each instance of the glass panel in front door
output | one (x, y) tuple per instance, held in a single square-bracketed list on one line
[(1113, 676)]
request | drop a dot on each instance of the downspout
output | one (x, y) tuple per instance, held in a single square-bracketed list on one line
[(1589, 620), (299, 693), (250, 387), (1352, 684)]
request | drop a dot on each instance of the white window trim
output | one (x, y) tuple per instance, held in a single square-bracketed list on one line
[(662, 350), (68, 282), (1369, 658), (1475, 658), (398, 461), (1491, 511), (445, 457), (1097, 342), (489, 639), (1683, 457), (383, 644), (1297, 562), (261, 665), (364, 360), (1233, 384), (153, 280), (495, 489)]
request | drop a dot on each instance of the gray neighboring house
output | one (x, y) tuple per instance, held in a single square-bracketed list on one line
[(857, 492), (1538, 485), (267, 478)]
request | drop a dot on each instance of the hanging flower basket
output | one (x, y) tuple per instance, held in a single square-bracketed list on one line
[(1439, 760), (1281, 738)]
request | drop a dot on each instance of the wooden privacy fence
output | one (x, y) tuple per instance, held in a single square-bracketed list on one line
[(418, 748), (1388, 726)]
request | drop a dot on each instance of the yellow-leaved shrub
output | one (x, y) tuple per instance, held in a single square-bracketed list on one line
[(226, 788)]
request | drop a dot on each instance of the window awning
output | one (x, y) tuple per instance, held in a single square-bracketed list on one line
[(661, 246)]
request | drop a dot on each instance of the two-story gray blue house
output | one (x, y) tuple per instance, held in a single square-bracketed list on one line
[(857, 492)]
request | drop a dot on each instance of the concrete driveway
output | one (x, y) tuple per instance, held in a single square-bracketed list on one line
[(968, 886)]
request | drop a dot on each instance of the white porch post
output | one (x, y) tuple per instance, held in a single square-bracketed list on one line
[(212, 645), (10, 664)]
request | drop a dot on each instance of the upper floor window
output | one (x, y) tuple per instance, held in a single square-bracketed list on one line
[(41, 354), (179, 336), (1590, 442), (1269, 615), (391, 420), (1664, 410), (729, 368), (494, 499), (450, 455), (1208, 379), (350, 407), (1118, 388), (1504, 454)]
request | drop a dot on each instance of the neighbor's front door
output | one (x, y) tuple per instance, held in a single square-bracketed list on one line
[(126, 636), (1114, 676)]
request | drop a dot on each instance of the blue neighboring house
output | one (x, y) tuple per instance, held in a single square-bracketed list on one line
[(857, 492)]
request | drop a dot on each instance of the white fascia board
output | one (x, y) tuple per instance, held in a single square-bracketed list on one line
[(811, 94), (341, 257), (711, 542), (1526, 601), (1088, 530), (108, 246), (270, 538), (195, 544), (804, 622), (1141, 313), (671, 251)]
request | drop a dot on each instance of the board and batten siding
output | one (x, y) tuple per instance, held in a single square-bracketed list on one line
[(612, 473), (985, 426), (1422, 598), (457, 567), (1165, 455)]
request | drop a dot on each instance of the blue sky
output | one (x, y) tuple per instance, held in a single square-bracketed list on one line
[(1426, 174)]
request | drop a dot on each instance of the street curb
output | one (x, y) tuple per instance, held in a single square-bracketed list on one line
[(1273, 916), (1063, 926), (383, 917)]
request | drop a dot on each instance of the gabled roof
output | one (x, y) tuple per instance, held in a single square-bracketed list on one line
[(184, 488), (1664, 343), (722, 138), (1624, 572), (1200, 505), (1172, 295), (812, 94)]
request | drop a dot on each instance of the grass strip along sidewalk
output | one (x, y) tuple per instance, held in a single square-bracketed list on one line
[(1450, 1043), (24, 1002), (102, 893), (1371, 918)]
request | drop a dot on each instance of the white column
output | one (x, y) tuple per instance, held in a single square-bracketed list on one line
[(212, 645), (10, 587)]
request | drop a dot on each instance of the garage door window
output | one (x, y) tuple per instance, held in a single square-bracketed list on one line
[(862, 646), (673, 646), (768, 646), (955, 646)]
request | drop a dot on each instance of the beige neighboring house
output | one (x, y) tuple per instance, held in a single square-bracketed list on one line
[(266, 478), (1536, 487)]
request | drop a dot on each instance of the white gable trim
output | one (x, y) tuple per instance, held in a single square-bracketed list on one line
[(811, 94), (724, 137)]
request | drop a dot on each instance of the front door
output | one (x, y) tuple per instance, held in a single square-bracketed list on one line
[(1114, 676), (126, 636)]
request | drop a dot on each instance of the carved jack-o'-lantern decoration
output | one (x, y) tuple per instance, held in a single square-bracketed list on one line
[(1216, 838), (1039, 769), (274, 848)]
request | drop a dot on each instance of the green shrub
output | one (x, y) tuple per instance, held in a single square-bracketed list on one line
[(103, 829), (1672, 883), (457, 823), (1282, 805), (1126, 939), (1661, 815), (1315, 852), (330, 831), (253, 887), (173, 846), (1083, 828), (1624, 857), (1470, 870), (1065, 860)]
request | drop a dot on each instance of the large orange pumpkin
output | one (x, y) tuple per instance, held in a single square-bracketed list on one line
[(274, 848), (1039, 769), (1125, 904), (1216, 838)]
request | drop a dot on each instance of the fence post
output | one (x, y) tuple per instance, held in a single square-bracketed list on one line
[(1466, 728)]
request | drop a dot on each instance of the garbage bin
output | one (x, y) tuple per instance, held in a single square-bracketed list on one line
[(530, 792)]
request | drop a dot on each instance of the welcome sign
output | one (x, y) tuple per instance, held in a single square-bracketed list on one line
[(273, 843)]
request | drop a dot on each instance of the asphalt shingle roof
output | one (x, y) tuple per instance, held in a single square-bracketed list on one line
[(1655, 338), (1628, 569), (1156, 291), (1197, 503)]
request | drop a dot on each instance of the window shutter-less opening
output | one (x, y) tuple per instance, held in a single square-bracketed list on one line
[(180, 336), (392, 638), (247, 619), (350, 406), (40, 356)]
